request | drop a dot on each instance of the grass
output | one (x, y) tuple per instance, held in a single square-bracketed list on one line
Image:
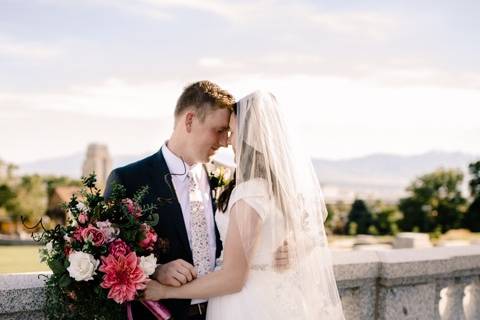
[(15, 259)]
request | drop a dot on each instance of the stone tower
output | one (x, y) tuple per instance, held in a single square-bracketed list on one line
[(97, 160)]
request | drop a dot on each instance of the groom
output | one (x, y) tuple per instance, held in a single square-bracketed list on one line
[(179, 187)]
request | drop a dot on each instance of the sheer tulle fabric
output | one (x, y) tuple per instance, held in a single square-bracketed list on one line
[(277, 198)]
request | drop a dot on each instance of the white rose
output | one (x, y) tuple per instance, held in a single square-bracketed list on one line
[(82, 266), (49, 247), (148, 264), (82, 207)]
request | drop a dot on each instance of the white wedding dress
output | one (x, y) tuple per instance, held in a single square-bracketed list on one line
[(267, 294)]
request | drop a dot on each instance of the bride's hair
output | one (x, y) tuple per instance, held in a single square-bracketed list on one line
[(224, 197), (248, 153)]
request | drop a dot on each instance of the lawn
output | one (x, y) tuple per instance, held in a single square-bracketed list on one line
[(20, 259)]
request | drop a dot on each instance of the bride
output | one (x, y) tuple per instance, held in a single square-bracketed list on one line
[(274, 196)]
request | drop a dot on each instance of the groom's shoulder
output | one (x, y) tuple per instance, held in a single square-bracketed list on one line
[(138, 166), (132, 176)]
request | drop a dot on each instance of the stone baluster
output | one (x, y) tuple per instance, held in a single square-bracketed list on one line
[(454, 304), (440, 285), (472, 307)]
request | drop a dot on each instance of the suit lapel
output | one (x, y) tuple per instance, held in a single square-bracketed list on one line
[(168, 198)]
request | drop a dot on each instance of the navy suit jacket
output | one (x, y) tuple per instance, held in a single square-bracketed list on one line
[(173, 240)]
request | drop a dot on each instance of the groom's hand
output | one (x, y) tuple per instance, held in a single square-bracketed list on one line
[(282, 261), (175, 273)]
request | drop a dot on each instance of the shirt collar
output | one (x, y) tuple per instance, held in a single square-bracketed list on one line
[(176, 165)]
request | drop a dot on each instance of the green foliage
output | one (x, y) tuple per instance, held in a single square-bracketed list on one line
[(31, 198), (53, 182), (474, 184), (352, 228), (435, 199), (337, 217), (62, 301), (361, 216), (385, 218), (472, 217), (70, 299), (27, 196), (7, 197)]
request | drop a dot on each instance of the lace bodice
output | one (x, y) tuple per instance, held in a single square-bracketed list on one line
[(255, 193)]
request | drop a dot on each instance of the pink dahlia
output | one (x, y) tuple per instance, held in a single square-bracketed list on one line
[(123, 276)]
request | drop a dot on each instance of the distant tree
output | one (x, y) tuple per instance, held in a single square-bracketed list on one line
[(472, 217), (435, 202), (53, 182), (385, 218), (7, 197), (7, 173), (359, 218), (30, 201), (338, 217)]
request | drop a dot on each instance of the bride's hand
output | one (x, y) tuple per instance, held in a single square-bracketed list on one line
[(154, 291)]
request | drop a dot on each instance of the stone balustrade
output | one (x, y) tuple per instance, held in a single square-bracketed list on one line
[(430, 283)]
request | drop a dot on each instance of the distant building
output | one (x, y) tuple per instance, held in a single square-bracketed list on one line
[(97, 160), (60, 196)]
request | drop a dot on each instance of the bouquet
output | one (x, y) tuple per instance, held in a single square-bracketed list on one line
[(102, 259)]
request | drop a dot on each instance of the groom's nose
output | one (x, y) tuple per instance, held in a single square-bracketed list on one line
[(224, 139)]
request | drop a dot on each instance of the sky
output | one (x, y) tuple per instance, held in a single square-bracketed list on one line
[(353, 77)]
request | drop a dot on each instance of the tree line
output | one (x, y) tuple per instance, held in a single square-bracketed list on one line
[(435, 203)]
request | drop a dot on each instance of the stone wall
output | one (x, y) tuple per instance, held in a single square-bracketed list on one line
[(431, 283)]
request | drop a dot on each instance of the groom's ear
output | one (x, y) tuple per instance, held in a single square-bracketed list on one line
[(188, 121)]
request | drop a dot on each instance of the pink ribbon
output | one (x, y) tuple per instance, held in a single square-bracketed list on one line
[(155, 307)]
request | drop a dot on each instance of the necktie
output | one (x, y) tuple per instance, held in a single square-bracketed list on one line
[(198, 228)]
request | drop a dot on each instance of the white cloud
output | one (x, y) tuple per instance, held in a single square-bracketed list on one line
[(219, 64), (254, 14), (225, 9), (336, 117), (359, 24), (30, 135), (31, 50), (113, 97)]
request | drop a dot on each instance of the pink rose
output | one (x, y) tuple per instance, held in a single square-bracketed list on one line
[(133, 208), (96, 236), (108, 229), (149, 239), (118, 248), (82, 218), (77, 234)]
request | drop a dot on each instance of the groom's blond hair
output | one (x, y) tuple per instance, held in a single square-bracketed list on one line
[(203, 96)]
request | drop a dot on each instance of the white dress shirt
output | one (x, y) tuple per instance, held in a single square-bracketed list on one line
[(179, 169)]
